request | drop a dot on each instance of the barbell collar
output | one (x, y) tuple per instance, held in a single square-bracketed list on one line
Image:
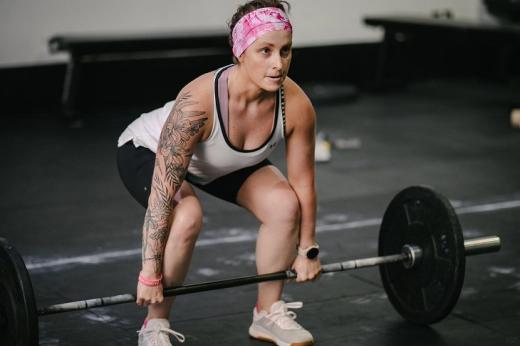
[(414, 254)]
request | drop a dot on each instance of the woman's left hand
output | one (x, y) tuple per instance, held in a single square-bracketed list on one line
[(307, 269)]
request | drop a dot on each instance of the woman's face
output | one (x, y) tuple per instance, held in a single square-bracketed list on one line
[(268, 59)]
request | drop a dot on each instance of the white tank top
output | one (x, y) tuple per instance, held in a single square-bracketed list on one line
[(216, 156)]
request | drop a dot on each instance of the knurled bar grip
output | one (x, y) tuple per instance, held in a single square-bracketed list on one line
[(472, 247)]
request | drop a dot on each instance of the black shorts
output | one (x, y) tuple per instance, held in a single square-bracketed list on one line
[(136, 166)]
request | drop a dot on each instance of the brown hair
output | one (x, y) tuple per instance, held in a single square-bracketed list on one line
[(250, 6)]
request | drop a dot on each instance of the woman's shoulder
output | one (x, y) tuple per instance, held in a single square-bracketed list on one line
[(196, 97), (200, 90), (296, 99)]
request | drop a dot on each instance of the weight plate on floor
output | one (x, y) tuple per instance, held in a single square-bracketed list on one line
[(18, 316), (427, 292)]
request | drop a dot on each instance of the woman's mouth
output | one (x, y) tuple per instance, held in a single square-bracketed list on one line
[(275, 78)]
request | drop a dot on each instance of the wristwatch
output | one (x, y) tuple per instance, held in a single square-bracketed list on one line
[(310, 252)]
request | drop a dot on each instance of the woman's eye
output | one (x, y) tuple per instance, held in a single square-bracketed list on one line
[(265, 50)]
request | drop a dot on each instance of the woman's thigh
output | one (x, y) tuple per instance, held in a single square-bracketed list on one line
[(268, 195), (187, 205)]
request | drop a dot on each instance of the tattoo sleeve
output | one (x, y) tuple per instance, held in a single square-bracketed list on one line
[(178, 136)]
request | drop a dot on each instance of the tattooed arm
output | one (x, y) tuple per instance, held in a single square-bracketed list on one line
[(181, 131)]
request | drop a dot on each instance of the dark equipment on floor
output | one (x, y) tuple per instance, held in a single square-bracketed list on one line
[(422, 256)]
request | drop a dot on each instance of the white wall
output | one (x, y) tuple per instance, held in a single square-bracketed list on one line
[(26, 25)]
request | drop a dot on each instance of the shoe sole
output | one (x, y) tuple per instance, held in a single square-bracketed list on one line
[(255, 334)]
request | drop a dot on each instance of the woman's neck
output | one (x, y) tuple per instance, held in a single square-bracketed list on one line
[(242, 89)]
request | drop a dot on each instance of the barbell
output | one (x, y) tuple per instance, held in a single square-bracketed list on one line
[(421, 258)]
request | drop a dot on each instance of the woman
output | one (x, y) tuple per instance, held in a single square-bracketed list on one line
[(217, 135)]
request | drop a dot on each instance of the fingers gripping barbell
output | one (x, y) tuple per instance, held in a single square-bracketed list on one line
[(421, 257)]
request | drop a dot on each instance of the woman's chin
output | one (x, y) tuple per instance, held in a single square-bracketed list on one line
[(272, 84)]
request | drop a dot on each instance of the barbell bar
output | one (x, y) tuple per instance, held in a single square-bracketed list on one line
[(410, 256), (421, 259)]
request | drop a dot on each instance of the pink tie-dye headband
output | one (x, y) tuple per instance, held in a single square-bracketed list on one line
[(256, 23)]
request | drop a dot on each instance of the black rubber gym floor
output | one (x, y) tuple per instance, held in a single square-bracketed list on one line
[(64, 208)]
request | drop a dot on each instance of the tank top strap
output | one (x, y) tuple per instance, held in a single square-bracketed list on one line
[(282, 105)]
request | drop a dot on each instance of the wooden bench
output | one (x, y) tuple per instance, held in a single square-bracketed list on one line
[(91, 48), (399, 28)]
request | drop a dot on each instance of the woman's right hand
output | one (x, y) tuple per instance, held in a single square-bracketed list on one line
[(147, 295)]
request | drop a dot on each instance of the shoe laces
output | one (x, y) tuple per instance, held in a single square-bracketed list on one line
[(284, 318), (161, 335)]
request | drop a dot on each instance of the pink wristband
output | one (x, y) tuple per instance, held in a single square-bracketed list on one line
[(150, 282)]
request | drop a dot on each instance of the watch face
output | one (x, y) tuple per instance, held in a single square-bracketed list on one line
[(313, 253)]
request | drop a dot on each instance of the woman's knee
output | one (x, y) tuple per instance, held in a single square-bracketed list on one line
[(186, 225), (284, 207)]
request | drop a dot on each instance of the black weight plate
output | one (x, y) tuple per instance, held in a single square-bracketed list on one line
[(18, 316), (427, 292)]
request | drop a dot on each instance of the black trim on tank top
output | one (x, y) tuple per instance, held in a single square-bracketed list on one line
[(224, 134), (282, 93)]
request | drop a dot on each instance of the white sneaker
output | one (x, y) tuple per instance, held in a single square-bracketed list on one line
[(279, 326), (156, 333)]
